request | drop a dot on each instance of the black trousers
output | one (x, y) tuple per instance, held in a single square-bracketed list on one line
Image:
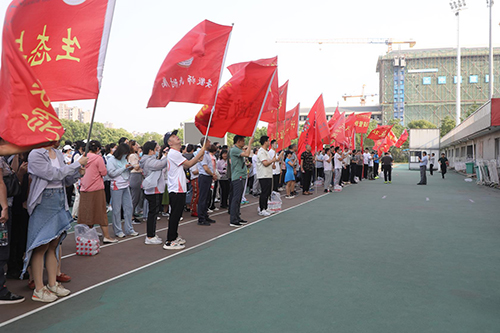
[(306, 180), (154, 203), (177, 201), (237, 187), (365, 171), (359, 171), (4, 256), (352, 172), (432, 169), (265, 186), (204, 184), (387, 172), (224, 189), (276, 182), (18, 237), (375, 169)]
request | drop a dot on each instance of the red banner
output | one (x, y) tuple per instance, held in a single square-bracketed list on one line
[(239, 103), (315, 131), (276, 129), (349, 131), (272, 103), (64, 44), (402, 139), (362, 122), (338, 130), (292, 125), (333, 119), (190, 73), (380, 132)]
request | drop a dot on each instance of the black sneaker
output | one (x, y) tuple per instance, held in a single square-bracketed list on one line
[(11, 298), (236, 224), (204, 223), (243, 222), (209, 220)]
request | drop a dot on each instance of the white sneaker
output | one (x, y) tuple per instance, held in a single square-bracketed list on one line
[(270, 212), (180, 240), (181, 218), (58, 290), (134, 233), (44, 295), (120, 235), (153, 241), (165, 214), (174, 245), (210, 211), (264, 213)]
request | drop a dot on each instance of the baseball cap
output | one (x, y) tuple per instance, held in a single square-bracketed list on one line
[(168, 135), (67, 147)]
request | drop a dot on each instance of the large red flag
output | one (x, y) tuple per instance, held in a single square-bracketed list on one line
[(402, 139), (349, 130), (276, 129), (316, 132), (391, 138), (338, 130), (272, 102), (292, 125), (362, 122), (191, 71), (333, 119), (380, 132), (64, 43), (239, 102)]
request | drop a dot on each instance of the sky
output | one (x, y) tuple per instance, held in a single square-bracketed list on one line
[(143, 32)]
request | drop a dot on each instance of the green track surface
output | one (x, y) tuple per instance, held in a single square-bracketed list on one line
[(347, 262)]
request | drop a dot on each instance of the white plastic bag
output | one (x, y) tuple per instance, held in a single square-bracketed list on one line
[(87, 240), (274, 202)]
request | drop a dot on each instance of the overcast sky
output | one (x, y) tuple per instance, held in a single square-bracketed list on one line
[(143, 32)]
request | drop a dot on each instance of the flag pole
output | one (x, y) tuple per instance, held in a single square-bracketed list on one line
[(87, 145), (264, 101), (218, 85)]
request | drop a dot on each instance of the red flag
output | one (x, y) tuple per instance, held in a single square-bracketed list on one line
[(272, 102), (239, 102), (338, 130), (292, 125), (190, 73), (391, 138), (402, 139), (380, 132), (315, 131), (349, 130), (362, 122), (333, 119), (64, 44), (276, 129)]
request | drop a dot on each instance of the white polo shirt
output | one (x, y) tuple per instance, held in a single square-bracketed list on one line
[(176, 179)]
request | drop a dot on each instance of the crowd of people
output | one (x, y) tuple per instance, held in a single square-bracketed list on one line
[(139, 184)]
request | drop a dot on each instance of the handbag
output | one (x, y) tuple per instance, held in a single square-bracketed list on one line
[(11, 183)]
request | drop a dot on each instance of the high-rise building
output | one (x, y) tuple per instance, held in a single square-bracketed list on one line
[(421, 84), (74, 113)]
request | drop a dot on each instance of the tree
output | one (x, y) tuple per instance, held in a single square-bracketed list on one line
[(419, 124), (447, 124)]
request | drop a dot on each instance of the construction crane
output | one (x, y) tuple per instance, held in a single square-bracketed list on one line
[(362, 97), (387, 41)]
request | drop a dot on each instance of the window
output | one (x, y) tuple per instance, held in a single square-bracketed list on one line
[(402, 83), (497, 148), (457, 152), (462, 152), (401, 91), (473, 79), (486, 78), (455, 79), (426, 80), (442, 80)]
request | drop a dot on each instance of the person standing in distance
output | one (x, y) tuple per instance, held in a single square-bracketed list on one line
[(432, 161), (443, 163), (237, 156), (387, 167), (423, 168), (265, 166)]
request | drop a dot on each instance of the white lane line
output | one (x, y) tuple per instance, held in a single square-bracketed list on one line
[(426, 199), (471, 200), (146, 266), (385, 196)]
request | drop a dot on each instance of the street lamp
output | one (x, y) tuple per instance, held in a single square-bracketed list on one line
[(456, 7), (489, 3)]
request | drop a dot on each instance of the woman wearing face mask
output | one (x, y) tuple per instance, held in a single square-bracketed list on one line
[(135, 178), (119, 175)]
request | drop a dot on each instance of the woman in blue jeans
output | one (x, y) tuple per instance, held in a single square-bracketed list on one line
[(119, 175)]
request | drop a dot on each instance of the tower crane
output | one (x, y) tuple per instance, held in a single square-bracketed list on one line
[(362, 97), (387, 41)]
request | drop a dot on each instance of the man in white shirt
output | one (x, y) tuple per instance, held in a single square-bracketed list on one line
[(256, 185), (366, 158), (276, 167), (338, 167), (265, 166), (177, 187)]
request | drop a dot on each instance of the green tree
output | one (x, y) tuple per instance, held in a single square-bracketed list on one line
[(419, 124), (447, 124)]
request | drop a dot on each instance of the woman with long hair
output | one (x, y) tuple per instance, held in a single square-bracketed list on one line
[(119, 175), (49, 217), (93, 197), (224, 179)]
